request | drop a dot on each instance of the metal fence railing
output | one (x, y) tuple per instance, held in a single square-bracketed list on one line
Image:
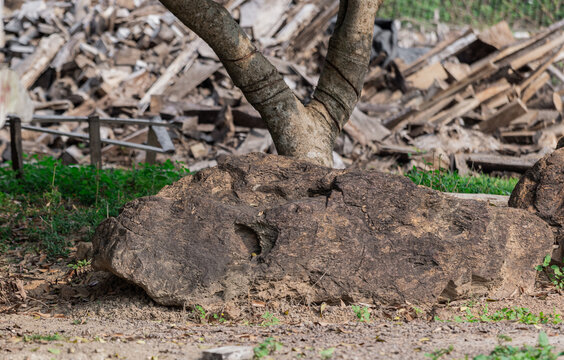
[(518, 13), (158, 140)]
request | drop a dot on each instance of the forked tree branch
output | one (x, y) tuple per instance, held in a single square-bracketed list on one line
[(306, 132), (346, 63)]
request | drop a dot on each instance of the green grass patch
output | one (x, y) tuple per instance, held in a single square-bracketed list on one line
[(53, 204), (269, 319), (37, 337), (362, 313), (476, 12), (448, 181), (543, 351), (439, 353), (268, 347), (517, 314), (554, 273)]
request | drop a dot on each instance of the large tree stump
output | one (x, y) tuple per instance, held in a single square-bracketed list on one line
[(274, 227)]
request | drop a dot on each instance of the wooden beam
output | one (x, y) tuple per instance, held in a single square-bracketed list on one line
[(397, 121), (493, 90), (185, 58), (34, 65), (369, 126), (535, 86), (2, 36), (504, 116), (498, 35), (433, 115), (151, 156), (441, 51), (541, 69), (457, 110), (424, 78), (519, 137), (486, 70), (163, 139), (527, 119), (422, 117), (492, 200), (557, 101), (303, 17), (16, 145), (507, 53), (458, 71), (490, 162), (193, 77), (537, 53), (94, 141), (304, 40)]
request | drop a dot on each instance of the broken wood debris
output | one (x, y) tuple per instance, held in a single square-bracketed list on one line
[(134, 59), (486, 82), (470, 94)]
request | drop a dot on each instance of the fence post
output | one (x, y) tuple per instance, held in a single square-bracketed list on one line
[(16, 145), (151, 156), (94, 140), (2, 36)]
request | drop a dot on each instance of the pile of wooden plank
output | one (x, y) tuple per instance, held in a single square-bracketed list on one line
[(483, 99), (471, 95), (133, 58)]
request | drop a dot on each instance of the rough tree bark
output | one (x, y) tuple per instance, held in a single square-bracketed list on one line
[(303, 131)]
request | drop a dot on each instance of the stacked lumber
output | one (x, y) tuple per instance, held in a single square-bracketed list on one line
[(472, 94), (128, 58), (476, 87)]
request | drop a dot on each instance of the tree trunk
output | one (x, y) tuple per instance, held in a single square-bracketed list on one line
[(303, 131)]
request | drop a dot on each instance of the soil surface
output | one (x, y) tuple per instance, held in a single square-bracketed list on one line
[(102, 338), (49, 311)]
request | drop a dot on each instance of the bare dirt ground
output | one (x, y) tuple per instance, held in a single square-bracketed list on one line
[(48, 311)]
